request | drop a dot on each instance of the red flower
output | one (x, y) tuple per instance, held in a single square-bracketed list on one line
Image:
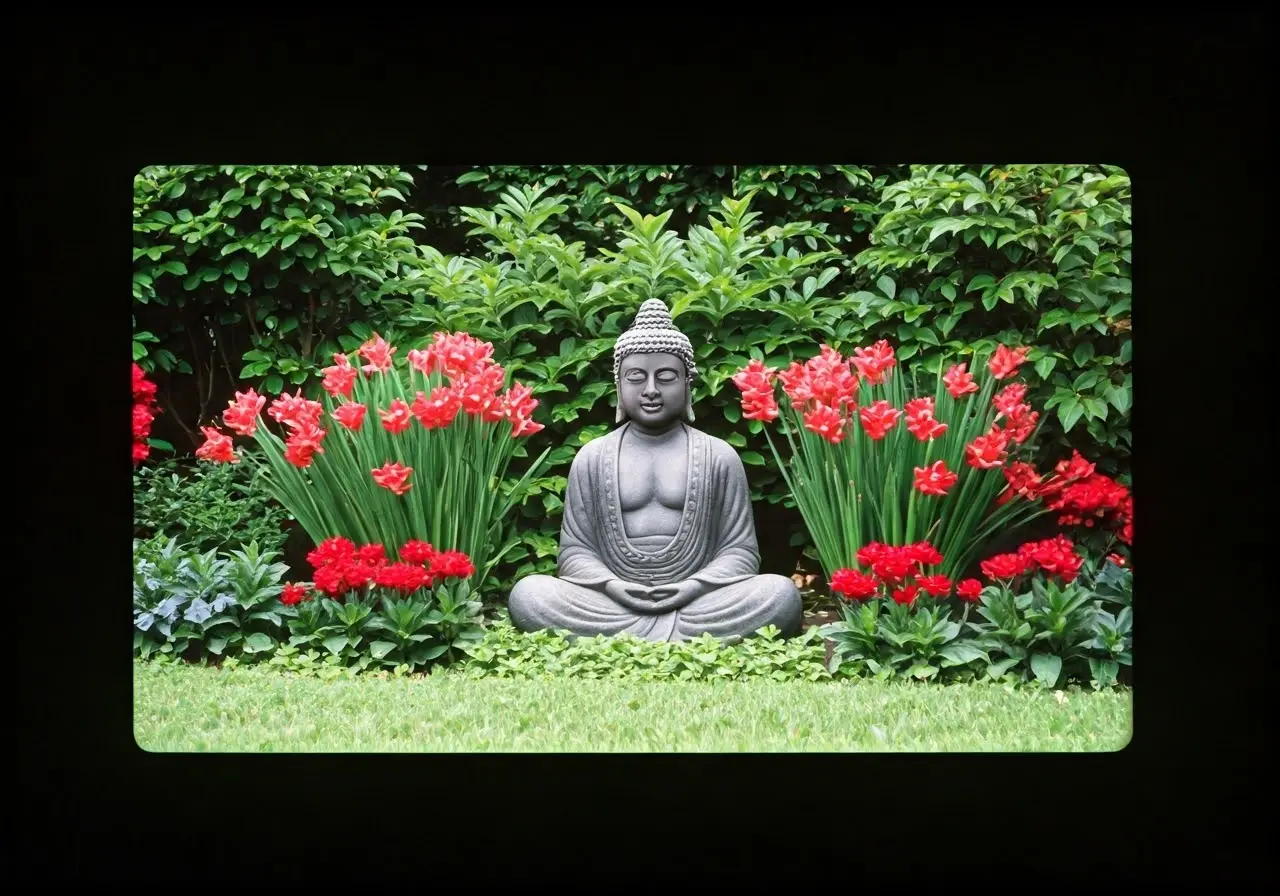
[(1023, 480), (451, 565), (478, 391), (333, 550), (217, 447), (415, 551), (144, 390), (868, 554), (1009, 399), (378, 353), (295, 411), (403, 577), (894, 568), (242, 414), (853, 584), (372, 554), (905, 594), (350, 415), (958, 381), (755, 377), (874, 363), (457, 355), (1019, 427), (439, 410), (518, 405), (920, 419), (357, 574), (1055, 556), (396, 418), (303, 443), (1005, 362), (293, 594), (339, 379), (827, 422), (987, 452), (330, 580), (935, 479), (393, 476), (923, 553), (969, 589), (1117, 560), (1005, 566), (878, 418), (762, 406), (935, 586)]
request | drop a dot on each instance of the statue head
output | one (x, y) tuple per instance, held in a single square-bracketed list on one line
[(653, 369)]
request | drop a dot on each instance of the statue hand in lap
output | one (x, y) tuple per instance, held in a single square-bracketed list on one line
[(658, 537)]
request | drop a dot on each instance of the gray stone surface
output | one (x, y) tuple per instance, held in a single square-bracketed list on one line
[(658, 537)]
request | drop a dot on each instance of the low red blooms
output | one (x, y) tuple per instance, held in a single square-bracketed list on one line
[(922, 553), (1054, 556), (397, 417), (935, 479), (894, 569), (303, 444), (242, 414), (958, 381), (350, 415), (1005, 362), (339, 379), (920, 419), (293, 594), (827, 422), (935, 586), (987, 452), (1023, 481), (1117, 559), (895, 564), (878, 418), (438, 410), (969, 589), (451, 565), (144, 412), (906, 594), (394, 477), (1093, 500), (378, 353), (415, 551), (341, 566), (875, 362), (217, 447), (868, 554), (1004, 567), (853, 584)]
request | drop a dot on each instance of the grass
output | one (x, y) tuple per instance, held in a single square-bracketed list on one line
[(255, 709)]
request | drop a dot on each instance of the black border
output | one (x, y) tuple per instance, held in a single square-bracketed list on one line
[(1181, 106)]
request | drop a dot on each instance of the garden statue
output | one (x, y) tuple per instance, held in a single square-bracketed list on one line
[(658, 537)]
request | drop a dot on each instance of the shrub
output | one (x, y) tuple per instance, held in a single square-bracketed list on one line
[(209, 507), (188, 604)]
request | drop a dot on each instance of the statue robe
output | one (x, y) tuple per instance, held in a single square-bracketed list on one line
[(715, 545)]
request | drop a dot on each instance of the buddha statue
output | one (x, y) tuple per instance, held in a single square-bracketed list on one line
[(658, 537)]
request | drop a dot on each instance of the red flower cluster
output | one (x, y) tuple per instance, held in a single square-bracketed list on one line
[(1095, 500), (144, 411), (294, 594), (920, 420), (342, 566), (1053, 556), (755, 382), (825, 380), (898, 570)]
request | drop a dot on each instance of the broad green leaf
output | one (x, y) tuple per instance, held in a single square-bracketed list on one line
[(1095, 408), (258, 642), (1069, 411), (1046, 667), (379, 649), (273, 384), (1045, 366), (754, 458), (335, 644), (887, 286), (239, 269), (982, 281), (1082, 354)]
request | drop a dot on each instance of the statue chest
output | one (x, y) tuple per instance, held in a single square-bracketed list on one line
[(651, 479)]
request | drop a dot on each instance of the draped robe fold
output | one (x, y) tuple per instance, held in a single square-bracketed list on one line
[(715, 545)]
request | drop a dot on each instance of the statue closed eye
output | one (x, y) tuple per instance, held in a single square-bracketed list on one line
[(658, 537)]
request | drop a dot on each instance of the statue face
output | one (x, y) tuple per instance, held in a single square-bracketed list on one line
[(652, 389)]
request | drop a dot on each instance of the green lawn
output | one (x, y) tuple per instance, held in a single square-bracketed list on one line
[(255, 709)]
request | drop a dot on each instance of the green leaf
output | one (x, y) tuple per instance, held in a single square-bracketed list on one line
[(379, 649), (335, 644), (1126, 352), (1119, 398), (290, 240), (257, 643), (1095, 408), (1046, 667), (887, 286), (239, 269), (949, 291), (1083, 352), (273, 384), (1045, 366), (1069, 412), (216, 645), (958, 653), (752, 457), (982, 281), (161, 444)]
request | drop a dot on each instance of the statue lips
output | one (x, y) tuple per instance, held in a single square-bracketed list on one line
[(651, 408)]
